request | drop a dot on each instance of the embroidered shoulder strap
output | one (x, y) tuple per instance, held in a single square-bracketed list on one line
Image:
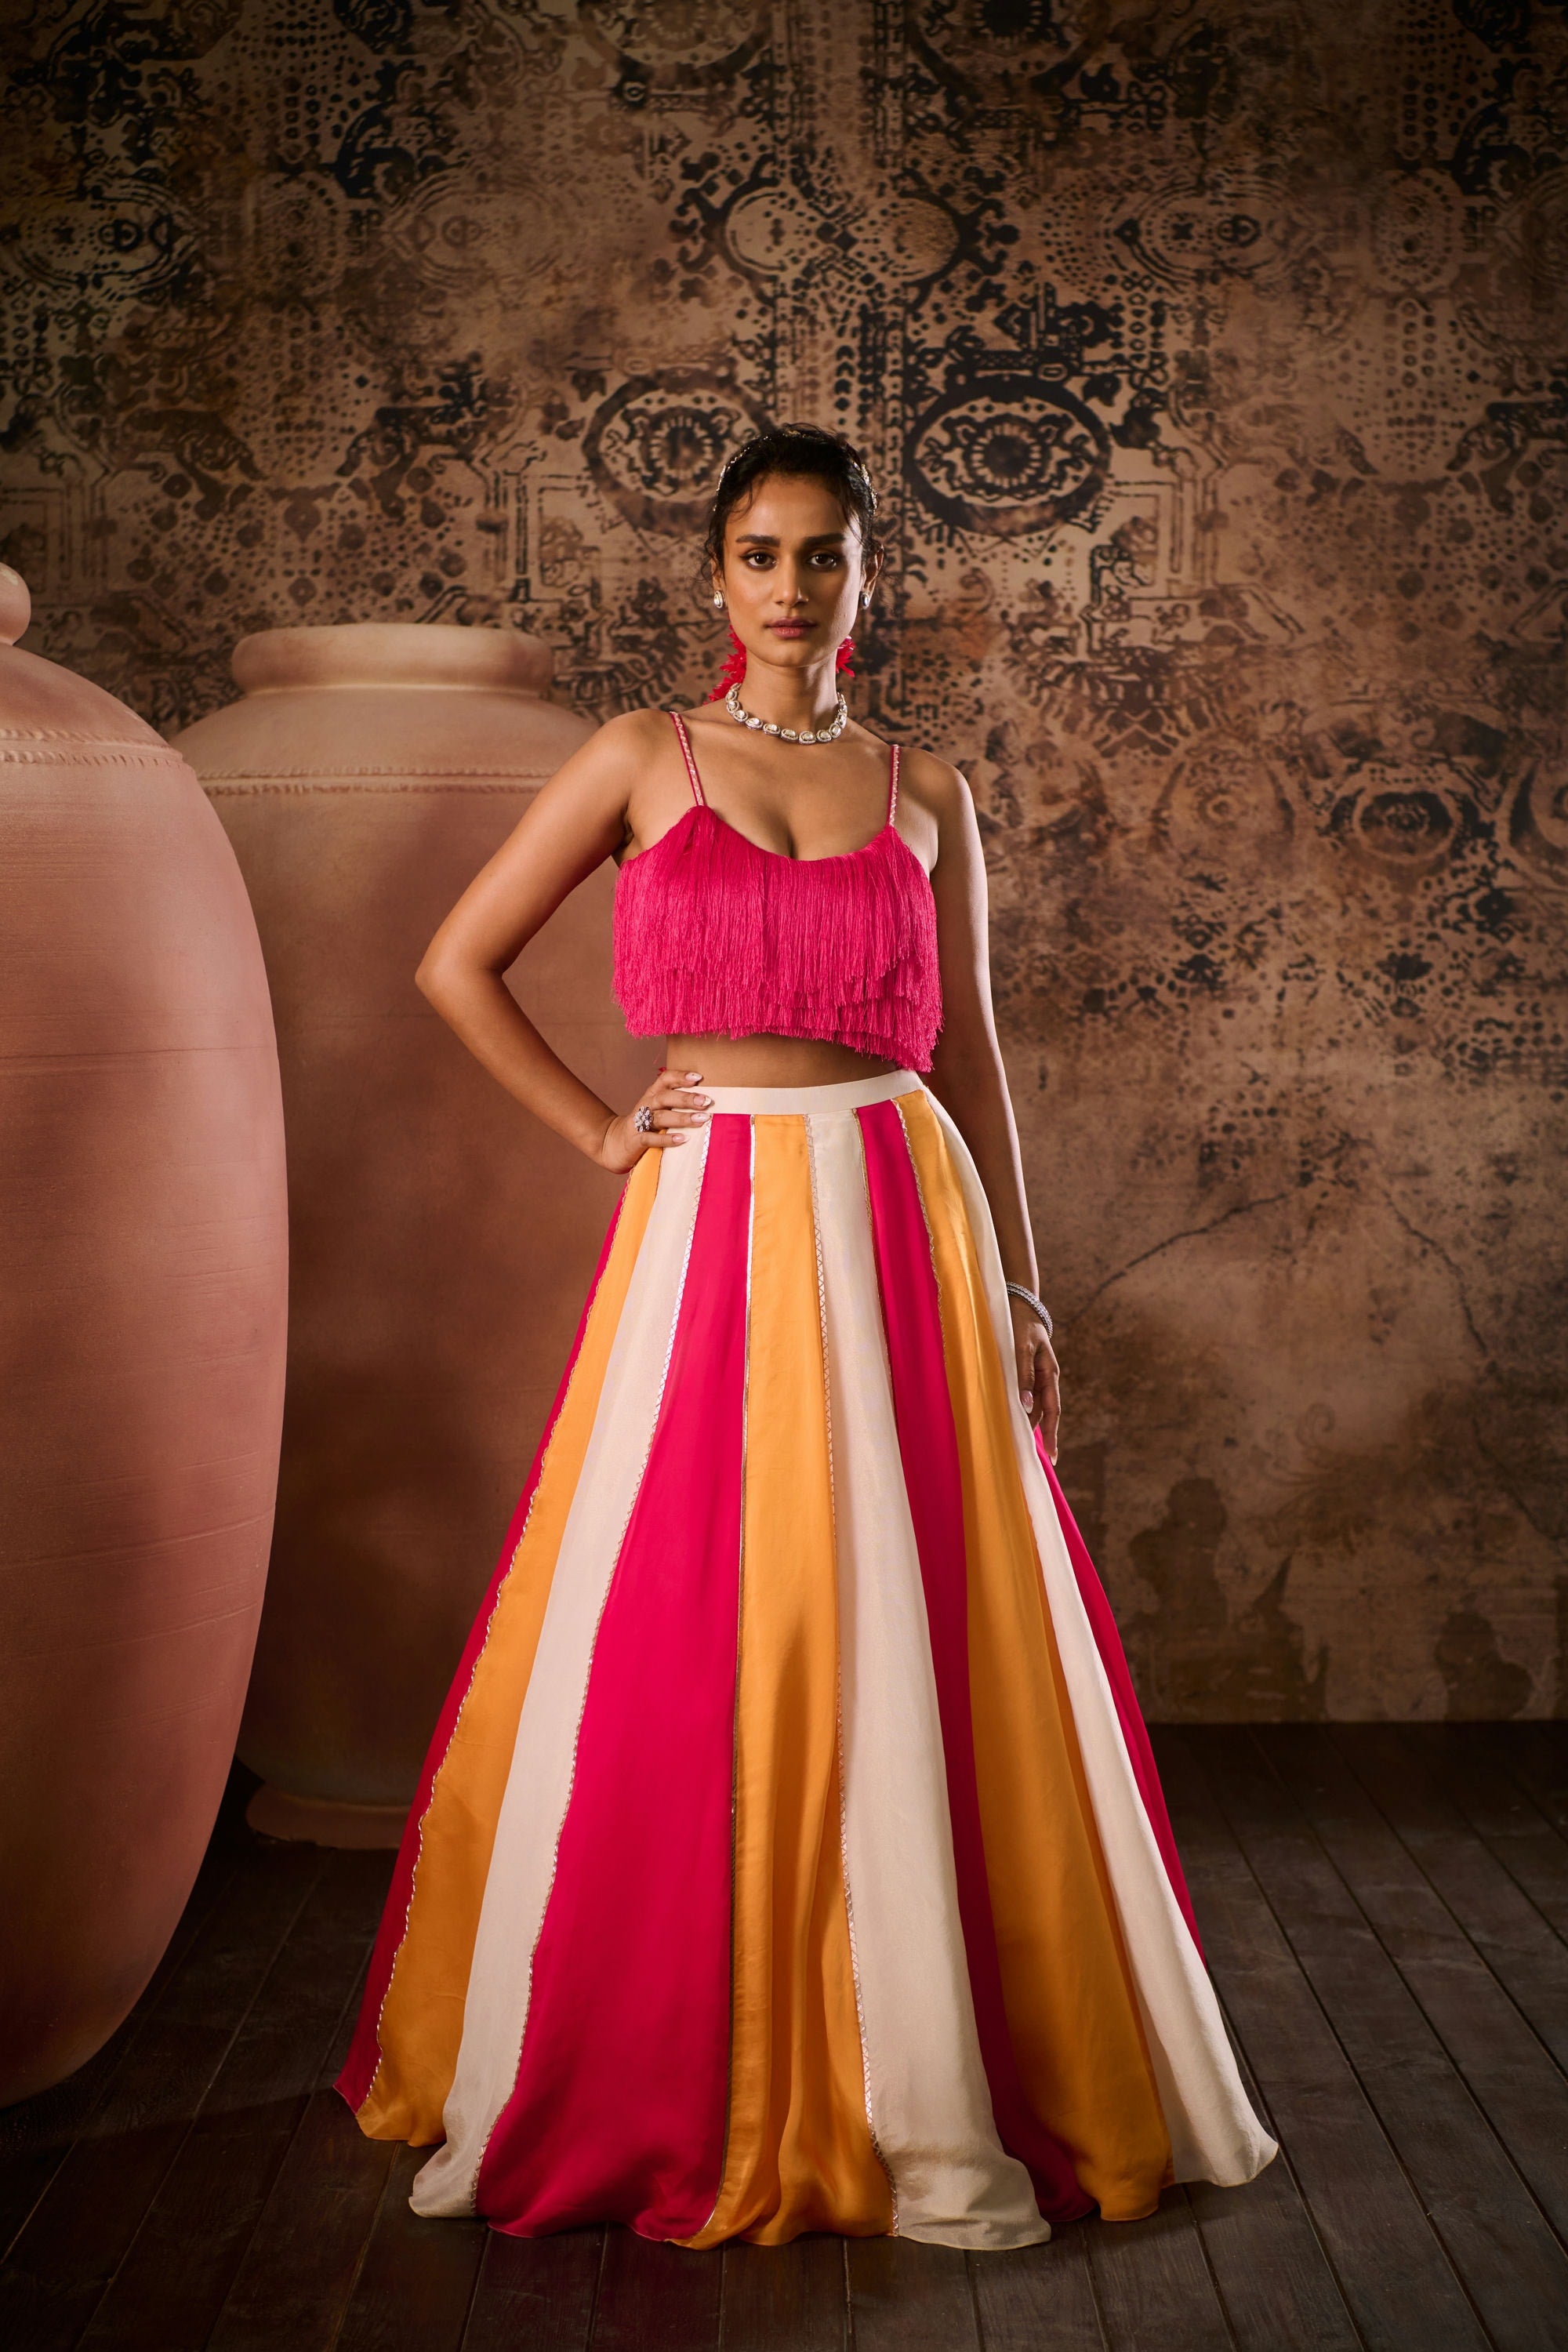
[(686, 754), (893, 786)]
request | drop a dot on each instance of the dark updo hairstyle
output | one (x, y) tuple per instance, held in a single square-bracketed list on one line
[(807, 452)]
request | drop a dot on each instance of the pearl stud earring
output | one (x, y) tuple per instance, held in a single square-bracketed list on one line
[(718, 604)]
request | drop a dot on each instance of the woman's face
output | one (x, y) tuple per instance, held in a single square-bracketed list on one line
[(793, 568)]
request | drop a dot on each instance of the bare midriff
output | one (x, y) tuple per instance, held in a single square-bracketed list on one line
[(767, 1061)]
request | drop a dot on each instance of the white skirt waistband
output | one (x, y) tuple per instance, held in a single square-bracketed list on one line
[(846, 1094)]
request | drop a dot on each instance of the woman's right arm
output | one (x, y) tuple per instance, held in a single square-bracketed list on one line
[(572, 824)]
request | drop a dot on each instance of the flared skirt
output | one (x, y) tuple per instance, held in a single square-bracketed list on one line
[(790, 1854)]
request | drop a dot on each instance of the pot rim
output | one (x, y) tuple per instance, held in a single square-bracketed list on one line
[(421, 654)]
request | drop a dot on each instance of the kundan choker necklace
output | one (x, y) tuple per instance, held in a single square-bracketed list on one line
[(828, 734)]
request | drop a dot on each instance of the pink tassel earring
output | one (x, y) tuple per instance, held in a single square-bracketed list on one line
[(735, 670)]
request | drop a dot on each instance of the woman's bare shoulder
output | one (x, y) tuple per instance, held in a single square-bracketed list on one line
[(630, 731), (934, 783), (617, 753)]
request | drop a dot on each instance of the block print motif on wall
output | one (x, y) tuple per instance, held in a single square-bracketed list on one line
[(1213, 369)]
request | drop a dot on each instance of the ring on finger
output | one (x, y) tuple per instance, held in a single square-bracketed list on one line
[(642, 1119)]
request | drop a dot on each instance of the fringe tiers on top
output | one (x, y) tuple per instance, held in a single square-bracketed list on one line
[(716, 937)]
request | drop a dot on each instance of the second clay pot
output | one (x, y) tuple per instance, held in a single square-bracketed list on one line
[(441, 1240)]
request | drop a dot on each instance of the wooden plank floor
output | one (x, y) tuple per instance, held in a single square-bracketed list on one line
[(1385, 1913)]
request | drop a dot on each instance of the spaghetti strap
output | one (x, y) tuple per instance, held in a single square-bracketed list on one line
[(893, 786), (690, 762)]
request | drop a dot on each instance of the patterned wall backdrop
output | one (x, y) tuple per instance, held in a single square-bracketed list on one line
[(1213, 362)]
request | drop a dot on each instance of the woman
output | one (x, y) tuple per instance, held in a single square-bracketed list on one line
[(789, 1855)]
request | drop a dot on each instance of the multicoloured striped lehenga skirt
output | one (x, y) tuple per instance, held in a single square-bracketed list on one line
[(790, 1855)]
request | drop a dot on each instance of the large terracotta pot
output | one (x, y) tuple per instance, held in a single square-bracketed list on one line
[(441, 1239), (142, 1296)]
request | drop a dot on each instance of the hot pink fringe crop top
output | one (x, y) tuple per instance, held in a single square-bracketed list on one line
[(715, 937)]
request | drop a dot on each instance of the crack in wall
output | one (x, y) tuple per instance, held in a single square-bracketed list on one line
[(1441, 1255), (1188, 1233)]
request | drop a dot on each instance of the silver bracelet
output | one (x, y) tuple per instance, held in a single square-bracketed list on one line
[(1017, 1290)]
